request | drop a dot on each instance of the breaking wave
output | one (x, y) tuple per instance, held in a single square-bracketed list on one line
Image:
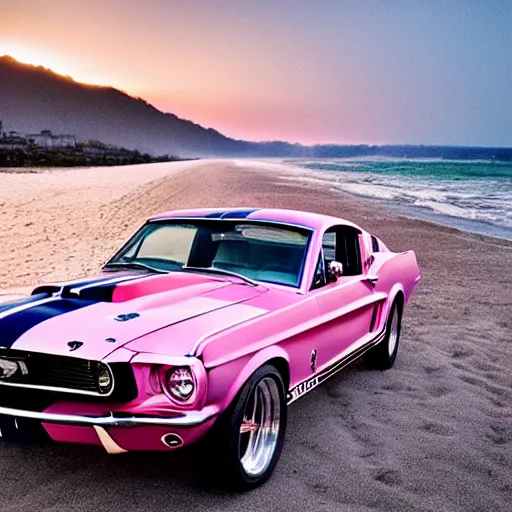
[(476, 193)]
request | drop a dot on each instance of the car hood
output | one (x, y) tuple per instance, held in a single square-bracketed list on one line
[(90, 319)]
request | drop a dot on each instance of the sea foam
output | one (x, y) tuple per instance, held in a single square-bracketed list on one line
[(476, 196)]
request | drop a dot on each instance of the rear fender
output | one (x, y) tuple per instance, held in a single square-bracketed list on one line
[(400, 270), (397, 289), (383, 314)]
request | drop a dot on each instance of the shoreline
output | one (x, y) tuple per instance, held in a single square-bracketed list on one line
[(436, 219), (416, 212), (405, 212), (402, 205)]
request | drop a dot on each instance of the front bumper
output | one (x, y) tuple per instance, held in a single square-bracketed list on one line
[(187, 419), (122, 432)]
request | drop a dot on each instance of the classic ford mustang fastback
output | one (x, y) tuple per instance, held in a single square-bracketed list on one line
[(206, 324)]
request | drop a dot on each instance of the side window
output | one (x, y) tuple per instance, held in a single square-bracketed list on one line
[(329, 245), (348, 251), (328, 254), (340, 243), (345, 249)]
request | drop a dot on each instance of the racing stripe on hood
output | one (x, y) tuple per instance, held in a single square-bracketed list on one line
[(25, 302), (99, 291), (20, 319), (19, 316), (66, 287)]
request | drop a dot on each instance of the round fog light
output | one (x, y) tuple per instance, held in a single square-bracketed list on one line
[(172, 440)]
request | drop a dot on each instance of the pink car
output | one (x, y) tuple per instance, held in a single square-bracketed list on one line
[(205, 324)]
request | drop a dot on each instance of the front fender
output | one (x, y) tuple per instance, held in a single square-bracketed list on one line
[(226, 381)]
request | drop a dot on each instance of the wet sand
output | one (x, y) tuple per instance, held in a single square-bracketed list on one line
[(434, 433)]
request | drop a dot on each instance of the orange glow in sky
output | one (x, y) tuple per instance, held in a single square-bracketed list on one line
[(31, 56), (57, 63), (330, 71)]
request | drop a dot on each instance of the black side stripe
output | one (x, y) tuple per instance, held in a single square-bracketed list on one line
[(311, 383), (13, 326)]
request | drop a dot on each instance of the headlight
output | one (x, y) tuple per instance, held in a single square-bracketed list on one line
[(180, 383), (104, 378)]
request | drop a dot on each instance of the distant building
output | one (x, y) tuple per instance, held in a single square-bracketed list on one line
[(46, 139), (11, 140)]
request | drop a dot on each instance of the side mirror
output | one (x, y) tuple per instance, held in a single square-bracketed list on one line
[(334, 270)]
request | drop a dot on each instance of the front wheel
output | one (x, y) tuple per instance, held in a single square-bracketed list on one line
[(249, 436), (382, 357)]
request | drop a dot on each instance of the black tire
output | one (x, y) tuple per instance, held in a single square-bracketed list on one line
[(382, 356), (225, 443)]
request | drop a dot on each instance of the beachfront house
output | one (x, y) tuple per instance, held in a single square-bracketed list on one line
[(47, 140)]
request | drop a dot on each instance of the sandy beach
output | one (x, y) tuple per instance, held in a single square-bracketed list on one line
[(432, 434)]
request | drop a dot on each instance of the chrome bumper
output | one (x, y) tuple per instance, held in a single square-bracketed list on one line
[(187, 419)]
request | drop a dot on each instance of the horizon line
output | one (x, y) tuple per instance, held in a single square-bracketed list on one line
[(268, 141)]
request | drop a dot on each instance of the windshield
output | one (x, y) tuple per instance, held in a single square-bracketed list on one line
[(260, 251)]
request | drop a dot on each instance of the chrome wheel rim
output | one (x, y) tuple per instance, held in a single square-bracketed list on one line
[(393, 334), (259, 430)]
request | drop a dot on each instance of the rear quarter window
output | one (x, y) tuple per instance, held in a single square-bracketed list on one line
[(375, 244)]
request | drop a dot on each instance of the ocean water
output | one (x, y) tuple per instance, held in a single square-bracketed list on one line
[(474, 196)]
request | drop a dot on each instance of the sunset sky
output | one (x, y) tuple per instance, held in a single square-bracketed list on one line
[(309, 71)]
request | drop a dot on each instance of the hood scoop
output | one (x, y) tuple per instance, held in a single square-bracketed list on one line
[(128, 287)]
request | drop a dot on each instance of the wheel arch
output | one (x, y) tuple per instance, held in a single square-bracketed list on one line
[(274, 356), (397, 294), (399, 298), (283, 368)]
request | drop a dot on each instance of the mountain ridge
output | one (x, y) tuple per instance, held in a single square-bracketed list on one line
[(34, 98), (57, 102)]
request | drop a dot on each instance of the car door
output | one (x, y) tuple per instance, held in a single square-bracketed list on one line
[(346, 305)]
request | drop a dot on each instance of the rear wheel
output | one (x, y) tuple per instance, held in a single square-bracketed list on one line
[(382, 357), (248, 439)]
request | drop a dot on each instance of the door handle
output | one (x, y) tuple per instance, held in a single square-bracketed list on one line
[(372, 280)]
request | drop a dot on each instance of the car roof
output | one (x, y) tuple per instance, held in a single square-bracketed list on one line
[(308, 220)]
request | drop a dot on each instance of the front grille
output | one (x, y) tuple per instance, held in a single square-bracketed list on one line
[(34, 369), (64, 374)]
